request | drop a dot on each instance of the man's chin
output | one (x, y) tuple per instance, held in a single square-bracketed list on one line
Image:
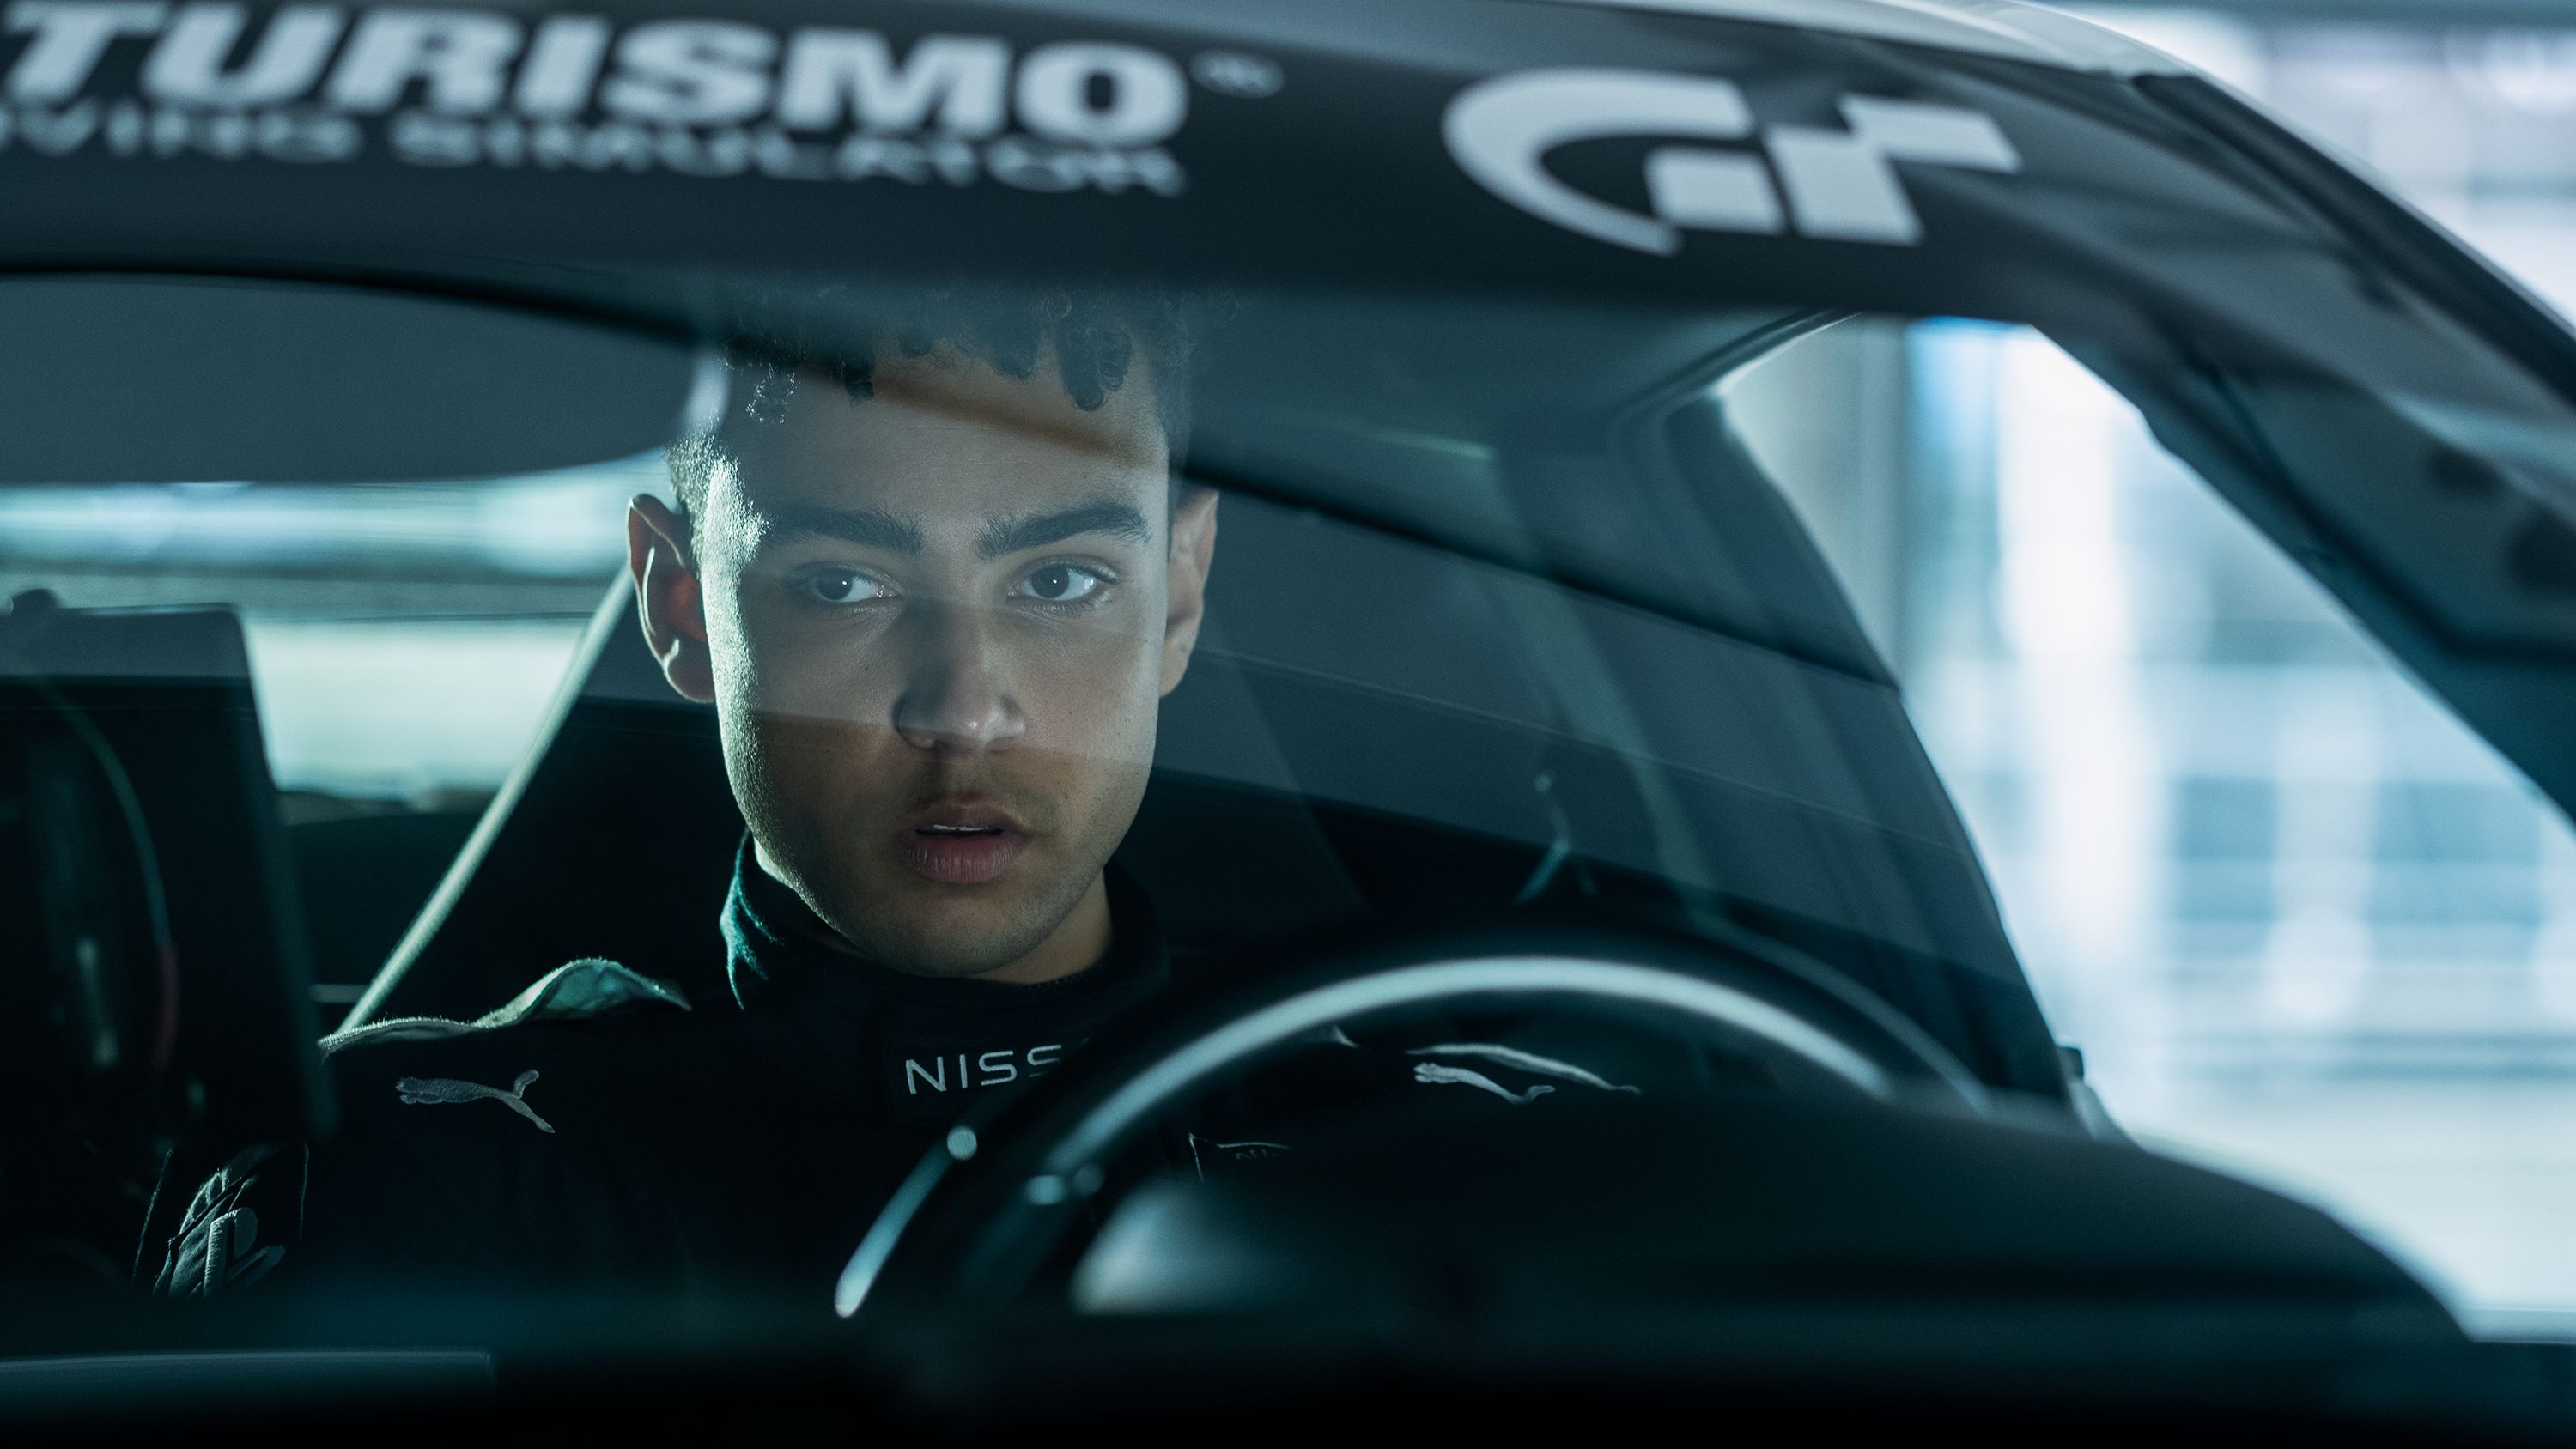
[(947, 932)]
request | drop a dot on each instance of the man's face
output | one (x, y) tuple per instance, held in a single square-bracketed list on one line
[(937, 624)]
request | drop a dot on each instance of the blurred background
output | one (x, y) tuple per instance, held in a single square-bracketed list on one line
[(405, 640), (406, 644), (2302, 924)]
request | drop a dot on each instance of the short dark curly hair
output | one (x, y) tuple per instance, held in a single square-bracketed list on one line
[(1096, 338)]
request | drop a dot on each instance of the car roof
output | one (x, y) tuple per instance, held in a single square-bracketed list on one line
[(2006, 28), (1346, 168)]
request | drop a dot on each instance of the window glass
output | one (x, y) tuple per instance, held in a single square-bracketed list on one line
[(1482, 644), (2302, 923), (404, 643), (404, 639)]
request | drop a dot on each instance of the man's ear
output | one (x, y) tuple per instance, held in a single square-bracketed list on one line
[(1193, 551), (667, 594)]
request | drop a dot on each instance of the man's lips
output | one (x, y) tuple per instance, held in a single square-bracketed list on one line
[(967, 843)]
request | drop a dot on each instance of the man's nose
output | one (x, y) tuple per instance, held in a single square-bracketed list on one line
[(957, 695)]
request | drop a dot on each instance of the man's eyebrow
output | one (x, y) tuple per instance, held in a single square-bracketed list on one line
[(1036, 530), (872, 527)]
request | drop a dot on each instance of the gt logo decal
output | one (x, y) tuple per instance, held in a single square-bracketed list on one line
[(1837, 185)]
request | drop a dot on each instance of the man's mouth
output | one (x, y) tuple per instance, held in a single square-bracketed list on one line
[(966, 844)]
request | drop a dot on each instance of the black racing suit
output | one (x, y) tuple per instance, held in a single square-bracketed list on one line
[(600, 1133)]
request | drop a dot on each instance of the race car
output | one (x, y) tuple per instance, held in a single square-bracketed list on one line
[(1480, 942)]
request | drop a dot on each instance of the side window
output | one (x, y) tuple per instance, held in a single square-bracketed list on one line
[(2304, 925), (404, 643), (392, 493)]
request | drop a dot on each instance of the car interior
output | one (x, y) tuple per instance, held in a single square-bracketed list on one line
[(1594, 723), (1531, 727)]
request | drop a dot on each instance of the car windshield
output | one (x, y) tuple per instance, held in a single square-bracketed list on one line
[(964, 719), (975, 663)]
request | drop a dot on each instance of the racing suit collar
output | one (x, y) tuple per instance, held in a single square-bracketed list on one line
[(919, 1050), (770, 942)]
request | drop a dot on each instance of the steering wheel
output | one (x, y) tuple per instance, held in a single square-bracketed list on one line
[(1006, 1193)]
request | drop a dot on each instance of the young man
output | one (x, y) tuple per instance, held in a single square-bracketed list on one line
[(935, 585), (936, 605)]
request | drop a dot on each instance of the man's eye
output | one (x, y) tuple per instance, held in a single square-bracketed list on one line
[(1061, 584), (842, 586)]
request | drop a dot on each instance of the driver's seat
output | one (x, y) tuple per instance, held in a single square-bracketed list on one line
[(615, 837)]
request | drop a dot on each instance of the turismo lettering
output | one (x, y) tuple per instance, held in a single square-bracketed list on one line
[(467, 87)]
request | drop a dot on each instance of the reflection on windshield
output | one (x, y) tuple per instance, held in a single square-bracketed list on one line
[(1002, 678)]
